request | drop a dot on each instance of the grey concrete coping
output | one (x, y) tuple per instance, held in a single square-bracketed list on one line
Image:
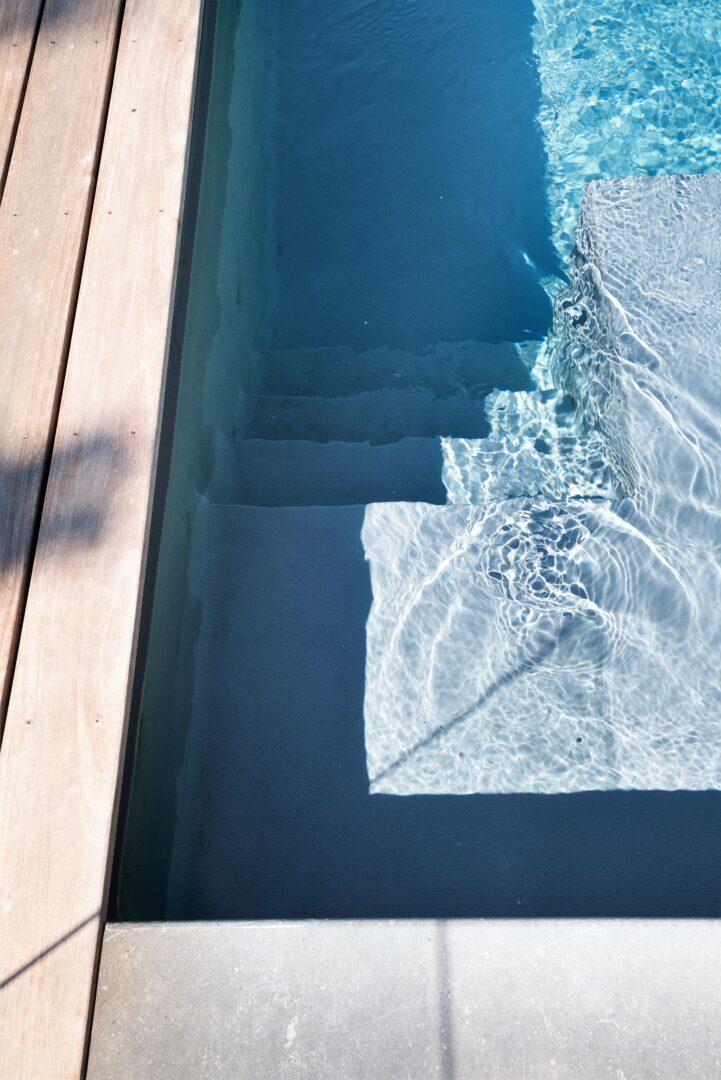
[(409, 1000)]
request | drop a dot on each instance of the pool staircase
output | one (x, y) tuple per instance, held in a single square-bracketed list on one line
[(369, 425), (334, 428), (468, 501), (279, 568)]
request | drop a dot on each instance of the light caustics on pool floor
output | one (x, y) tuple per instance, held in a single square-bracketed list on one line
[(548, 644)]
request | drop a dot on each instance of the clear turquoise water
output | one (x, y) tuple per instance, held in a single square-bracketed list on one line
[(627, 89), (375, 387)]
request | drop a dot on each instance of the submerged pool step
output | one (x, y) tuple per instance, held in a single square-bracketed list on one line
[(266, 472), (376, 416), (567, 466), (532, 414), (445, 369)]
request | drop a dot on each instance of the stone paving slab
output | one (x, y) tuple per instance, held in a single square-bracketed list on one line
[(409, 1000)]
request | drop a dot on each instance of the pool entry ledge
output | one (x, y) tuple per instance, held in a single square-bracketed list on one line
[(87, 280)]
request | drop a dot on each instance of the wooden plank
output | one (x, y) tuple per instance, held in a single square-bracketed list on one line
[(62, 755), (18, 23), (43, 224)]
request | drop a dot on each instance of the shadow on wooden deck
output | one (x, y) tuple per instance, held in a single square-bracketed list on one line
[(63, 530)]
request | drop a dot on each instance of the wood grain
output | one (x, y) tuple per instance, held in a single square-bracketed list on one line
[(18, 22), (43, 225), (64, 741)]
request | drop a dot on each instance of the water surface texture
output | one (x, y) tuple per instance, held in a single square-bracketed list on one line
[(567, 645), (410, 203), (629, 87), (437, 604)]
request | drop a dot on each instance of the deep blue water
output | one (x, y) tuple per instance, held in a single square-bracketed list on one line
[(388, 200), (411, 204)]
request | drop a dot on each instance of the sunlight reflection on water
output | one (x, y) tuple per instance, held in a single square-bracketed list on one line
[(532, 645)]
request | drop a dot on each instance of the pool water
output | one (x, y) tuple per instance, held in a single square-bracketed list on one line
[(435, 611)]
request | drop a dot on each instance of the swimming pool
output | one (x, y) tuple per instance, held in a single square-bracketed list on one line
[(409, 568)]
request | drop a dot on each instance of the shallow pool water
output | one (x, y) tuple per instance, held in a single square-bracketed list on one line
[(436, 606), (628, 88), (599, 611)]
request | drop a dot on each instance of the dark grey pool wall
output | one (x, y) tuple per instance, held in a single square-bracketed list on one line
[(228, 294)]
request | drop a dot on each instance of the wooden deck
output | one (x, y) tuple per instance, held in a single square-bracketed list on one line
[(96, 101)]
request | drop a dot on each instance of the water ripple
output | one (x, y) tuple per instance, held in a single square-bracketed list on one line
[(553, 643)]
